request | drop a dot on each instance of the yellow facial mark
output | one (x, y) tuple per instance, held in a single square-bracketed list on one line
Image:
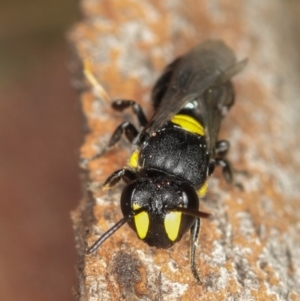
[(202, 191), (172, 224), (141, 222), (133, 160), (188, 123)]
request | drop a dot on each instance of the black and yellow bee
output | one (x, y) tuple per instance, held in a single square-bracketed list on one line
[(175, 152)]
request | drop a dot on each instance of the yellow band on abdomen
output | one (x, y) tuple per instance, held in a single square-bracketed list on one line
[(188, 123)]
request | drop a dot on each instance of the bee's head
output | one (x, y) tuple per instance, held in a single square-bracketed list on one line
[(160, 209), (168, 209)]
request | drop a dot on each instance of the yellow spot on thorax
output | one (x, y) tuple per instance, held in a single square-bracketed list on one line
[(133, 160), (141, 222), (188, 123), (172, 224), (202, 191)]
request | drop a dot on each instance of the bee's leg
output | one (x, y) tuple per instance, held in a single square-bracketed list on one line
[(226, 169), (122, 104), (222, 148), (126, 128), (125, 174), (194, 236), (228, 172)]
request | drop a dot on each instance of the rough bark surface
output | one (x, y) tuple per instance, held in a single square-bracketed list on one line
[(249, 248)]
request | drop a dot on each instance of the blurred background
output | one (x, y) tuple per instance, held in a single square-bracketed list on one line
[(40, 135)]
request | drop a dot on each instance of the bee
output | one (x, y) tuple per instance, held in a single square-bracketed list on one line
[(176, 151)]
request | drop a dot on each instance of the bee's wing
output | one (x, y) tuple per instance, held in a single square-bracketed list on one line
[(215, 102), (188, 77)]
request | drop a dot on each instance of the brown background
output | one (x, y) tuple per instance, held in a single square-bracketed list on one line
[(40, 133)]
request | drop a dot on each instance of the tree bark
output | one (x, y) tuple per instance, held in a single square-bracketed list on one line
[(249, 248)]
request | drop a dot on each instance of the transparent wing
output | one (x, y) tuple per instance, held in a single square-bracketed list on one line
[(208, 65), (214, 104)]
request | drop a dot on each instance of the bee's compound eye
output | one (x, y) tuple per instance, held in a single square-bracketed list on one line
[(190, 197), (126, 198)]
